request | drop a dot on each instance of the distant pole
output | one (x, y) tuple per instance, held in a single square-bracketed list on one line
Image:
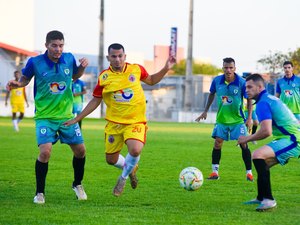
[(101, 47), (189, 63)]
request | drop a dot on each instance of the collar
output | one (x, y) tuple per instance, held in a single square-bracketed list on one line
[(124, 68), (234, 82), (288, 79), (50, 63), (260, 95)]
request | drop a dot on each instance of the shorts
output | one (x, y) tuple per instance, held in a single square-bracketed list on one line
[(229, 132), (77, 108), (254, 116), (50, 131), (17, 107), (117, 134), (285, 149)]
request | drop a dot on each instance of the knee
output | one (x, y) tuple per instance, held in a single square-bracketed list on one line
[(218, 144), (44, 156), (80, 152)]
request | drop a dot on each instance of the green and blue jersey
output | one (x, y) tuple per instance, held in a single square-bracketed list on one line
[(52, 85), (284, 123), (289, 92), (229, 99), (77, 87)]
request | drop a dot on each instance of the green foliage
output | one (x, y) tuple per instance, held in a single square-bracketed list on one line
[(295, 59), (273, 62), (198, 68), (159, 199)]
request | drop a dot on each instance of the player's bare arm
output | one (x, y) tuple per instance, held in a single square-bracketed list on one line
[(91, 106), (156, 77), (83, 64), (12, 84), (264, 132), (203, 116), (249, 122)]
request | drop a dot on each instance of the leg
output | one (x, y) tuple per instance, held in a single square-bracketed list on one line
[(216, 157), (15, 121), (246, 155), (78, 166)]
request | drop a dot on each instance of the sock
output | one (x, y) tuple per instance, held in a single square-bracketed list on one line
[(254, 128), (78, 166), (246, 154), (15, 124), (120, 163), (19, 120), (41, 170), (263, 180), (130, 162), (248, 171), (216, 157)]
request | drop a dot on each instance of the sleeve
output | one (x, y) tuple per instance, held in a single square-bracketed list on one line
[(98, 90), (263, 111), (75, 67), (213, 87), (244, 90), (28, 70), (278, 89), (144, 73)]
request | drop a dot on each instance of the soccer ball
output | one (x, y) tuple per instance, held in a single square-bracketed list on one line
[(191, 178)]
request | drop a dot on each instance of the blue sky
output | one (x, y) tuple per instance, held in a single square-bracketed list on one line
[(243, 29)]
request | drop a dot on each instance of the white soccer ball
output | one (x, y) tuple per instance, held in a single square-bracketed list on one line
[(191, 178)]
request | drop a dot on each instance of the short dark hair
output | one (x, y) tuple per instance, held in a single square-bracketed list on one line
[(228, 60), (54, 35), (288, 63), (116, 46), (255, 77), (16, 71)]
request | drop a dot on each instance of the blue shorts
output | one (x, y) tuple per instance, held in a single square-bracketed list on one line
[(77, 108), (232, 132), (254, 116), (50, 131), (285, 149)]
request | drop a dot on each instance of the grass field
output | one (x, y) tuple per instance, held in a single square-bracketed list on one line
[(158, 199)]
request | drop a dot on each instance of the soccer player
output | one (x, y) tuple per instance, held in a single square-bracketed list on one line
[(230, 122), (277, 119), (288, 89), (53, 72), (17, 100), (120, 88), (79, 89)]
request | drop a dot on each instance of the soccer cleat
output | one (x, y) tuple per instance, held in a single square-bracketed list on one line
[(39, 198), (213, 176), (133, 178), (252, 202), (80, 193), (118, 189), (266, 204), (249, 177)]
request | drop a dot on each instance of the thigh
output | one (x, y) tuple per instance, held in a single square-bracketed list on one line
[(46, 131), (136, 131), (221, 131), (238, 130), (70, 134), (114, 139)]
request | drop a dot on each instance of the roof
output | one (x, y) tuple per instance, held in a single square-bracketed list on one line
[(17, 50)]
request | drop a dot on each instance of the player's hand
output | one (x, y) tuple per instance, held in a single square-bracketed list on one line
[(242, 140), (70, 122), (170, 62), (203, 116), (84, 62), (12, 84)]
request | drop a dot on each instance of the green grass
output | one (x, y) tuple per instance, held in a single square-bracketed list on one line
[(158, 199)]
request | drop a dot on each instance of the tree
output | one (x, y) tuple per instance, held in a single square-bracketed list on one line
[(198, 68), (295, 59), (273, 62)]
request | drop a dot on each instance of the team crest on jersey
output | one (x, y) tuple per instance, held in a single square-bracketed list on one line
[(104, 77), (288, 93), (58, 87), (226, 100), (111, 139), (67, 71), (123, 95), (131, 78), (235, 91)]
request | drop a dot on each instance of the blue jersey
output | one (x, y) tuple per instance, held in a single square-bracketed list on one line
[(289, 92), (52, 85), (284, 123), (230, 99), (77, 87)]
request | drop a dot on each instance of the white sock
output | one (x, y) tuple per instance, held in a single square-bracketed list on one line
[(130, 162), (121, 162), (15, 123), (215, 168), (248, 171), (18, 121)]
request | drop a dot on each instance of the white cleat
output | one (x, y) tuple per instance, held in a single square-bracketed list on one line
[(80, 193)]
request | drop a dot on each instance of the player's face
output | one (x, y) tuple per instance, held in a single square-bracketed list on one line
[(288, 70), (117, 59), (55, 49), (229, 69), (17, 75), (252, 89)]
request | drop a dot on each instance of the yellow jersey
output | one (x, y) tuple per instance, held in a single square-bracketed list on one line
[(123, 94), (17, 96)]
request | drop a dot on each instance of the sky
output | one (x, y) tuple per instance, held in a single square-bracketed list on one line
[(246, 30)]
